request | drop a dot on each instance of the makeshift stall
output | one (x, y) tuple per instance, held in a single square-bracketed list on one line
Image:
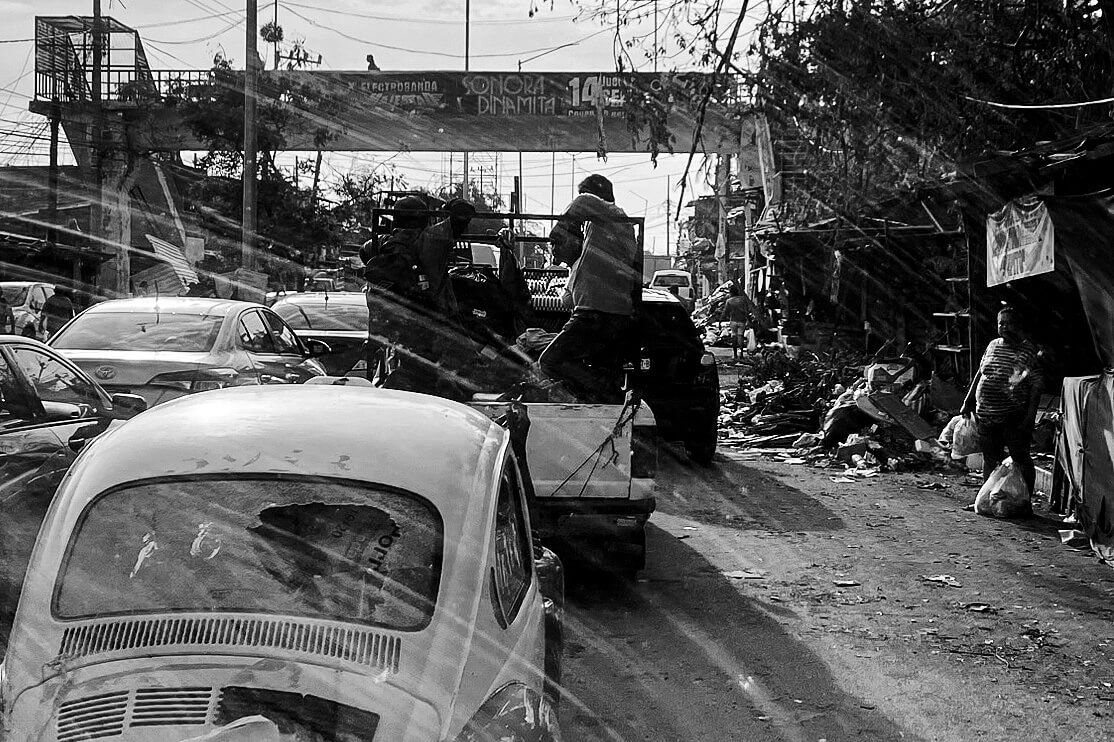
[(1085, 455)]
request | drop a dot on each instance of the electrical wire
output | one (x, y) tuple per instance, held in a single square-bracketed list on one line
[(431, 21), (1042, 106), (427, 52), (235, 22)]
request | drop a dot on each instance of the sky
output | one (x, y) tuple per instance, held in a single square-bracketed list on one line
[(417, 35)]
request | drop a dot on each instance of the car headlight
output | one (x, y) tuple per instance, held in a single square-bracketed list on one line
[(513, 714)]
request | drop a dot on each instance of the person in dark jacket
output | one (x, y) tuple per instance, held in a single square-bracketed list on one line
[(57, 311)]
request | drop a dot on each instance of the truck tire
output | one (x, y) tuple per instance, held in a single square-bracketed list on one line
[(634, 558), (701, 446)]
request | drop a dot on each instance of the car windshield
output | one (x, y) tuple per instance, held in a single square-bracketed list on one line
[(334, 315), (14, 294), (293, 547), (668, 281), (141, 331)]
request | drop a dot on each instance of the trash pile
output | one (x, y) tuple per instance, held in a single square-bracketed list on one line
[(865, 417)]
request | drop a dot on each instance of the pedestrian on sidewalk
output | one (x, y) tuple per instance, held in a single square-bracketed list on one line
[(1004, 397)]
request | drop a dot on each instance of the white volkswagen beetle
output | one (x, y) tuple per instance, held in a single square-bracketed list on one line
[(347, 563)]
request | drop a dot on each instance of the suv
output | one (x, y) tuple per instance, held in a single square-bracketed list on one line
[(677, 376), (26, 298)]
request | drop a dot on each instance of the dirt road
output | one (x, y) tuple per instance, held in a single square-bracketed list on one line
[(825, 628)]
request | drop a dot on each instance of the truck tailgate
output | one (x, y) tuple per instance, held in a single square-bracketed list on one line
[(583, 450)]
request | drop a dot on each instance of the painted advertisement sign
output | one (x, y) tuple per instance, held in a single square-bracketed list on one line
[(501, 111), (1020, 242)]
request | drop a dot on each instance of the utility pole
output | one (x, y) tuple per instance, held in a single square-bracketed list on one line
[(553, 183), (573, 186), (52, 207), (668, 214), (276, 42), (251, 90), (467, 44)]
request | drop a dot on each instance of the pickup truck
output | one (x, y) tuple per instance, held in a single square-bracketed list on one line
[(592, 465)]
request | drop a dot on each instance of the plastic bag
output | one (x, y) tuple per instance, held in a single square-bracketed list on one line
[(965, 438), (1005, 494)]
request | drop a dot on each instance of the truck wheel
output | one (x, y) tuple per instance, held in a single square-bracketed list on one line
[(702, 446), (634, 556)]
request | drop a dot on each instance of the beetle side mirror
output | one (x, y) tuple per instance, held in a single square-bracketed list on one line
[(316, 348), (127, 406)]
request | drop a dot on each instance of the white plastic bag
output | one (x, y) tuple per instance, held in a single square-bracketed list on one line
[(1005, 494), (965, 438)]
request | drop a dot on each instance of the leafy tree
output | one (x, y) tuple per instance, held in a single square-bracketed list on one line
[(878, 95)]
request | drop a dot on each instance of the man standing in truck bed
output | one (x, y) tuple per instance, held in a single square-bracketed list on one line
[(587, 354)]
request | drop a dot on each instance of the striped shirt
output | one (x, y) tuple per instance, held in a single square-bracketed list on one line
[(1010, 373)]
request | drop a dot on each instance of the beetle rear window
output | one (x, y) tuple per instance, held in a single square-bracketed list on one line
[(283, 546)]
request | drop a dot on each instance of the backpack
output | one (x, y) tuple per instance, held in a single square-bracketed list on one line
[(396, 270)]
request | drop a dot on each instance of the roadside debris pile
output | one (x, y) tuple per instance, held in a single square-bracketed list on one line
[(779, 397), (864, 417)]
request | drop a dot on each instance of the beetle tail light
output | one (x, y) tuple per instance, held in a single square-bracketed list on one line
[(514, 714), (708, 359)]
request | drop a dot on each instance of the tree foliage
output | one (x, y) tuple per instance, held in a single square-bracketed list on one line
[(869, 96)]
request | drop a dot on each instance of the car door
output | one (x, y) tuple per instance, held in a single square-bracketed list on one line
[(35, 450), (297, 366)]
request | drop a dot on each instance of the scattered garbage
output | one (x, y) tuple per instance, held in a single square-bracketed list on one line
[(979, 607), (942, 580), (744, 574), (1075, 539), (1005, 494), (846, 583)]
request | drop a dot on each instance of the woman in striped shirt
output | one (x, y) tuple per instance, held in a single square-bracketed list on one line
[(1004, 397)]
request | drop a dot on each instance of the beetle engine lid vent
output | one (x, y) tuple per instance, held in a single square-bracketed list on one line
[(93, 717), (178, 635), (155, 707)]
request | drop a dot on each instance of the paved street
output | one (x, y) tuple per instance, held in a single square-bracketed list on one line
[(1023, 648)]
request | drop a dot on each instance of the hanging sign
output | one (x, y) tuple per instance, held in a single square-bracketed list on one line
[(1020, 242)]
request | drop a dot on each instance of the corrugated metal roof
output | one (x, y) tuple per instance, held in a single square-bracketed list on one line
[(172, 255)]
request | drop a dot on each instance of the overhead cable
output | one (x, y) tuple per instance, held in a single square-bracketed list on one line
[(1040, 106)]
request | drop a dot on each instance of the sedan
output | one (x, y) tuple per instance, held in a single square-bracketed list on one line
[(167, 347), (49, 410), (260, 563), (338, 319)]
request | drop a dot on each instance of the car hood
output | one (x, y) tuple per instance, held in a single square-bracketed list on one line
[(115, 367)]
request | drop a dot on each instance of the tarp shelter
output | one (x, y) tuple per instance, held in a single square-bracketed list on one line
[(1085, 240)]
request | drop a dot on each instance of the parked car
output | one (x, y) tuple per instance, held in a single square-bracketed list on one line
[(49, 410), (338, 319), (363, 572), (677, 375), (26, 299), (164, 348)]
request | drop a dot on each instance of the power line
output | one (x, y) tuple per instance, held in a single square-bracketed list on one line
[(431, 21), (1041, 106), (427, 52), (236, 22)]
